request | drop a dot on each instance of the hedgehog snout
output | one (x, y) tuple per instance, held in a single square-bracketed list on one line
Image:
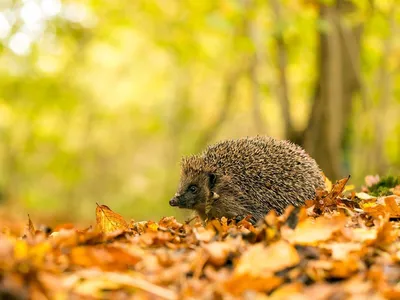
[(174, 201)]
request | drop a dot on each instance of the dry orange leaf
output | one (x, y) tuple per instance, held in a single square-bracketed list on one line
[(391, 206), (109, 221), (377, 210), (255, 269), (105, 257), (239, 284), (310, 231), (259, 260), (385, 235), (338, 187), (287, 291)]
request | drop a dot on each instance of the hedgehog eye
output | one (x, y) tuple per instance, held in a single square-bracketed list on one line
[(193, 189)]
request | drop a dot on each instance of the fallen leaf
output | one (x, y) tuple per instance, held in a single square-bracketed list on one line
[(29, 229), (340, 251), (288, 291), (109, 221), (364, 196), (218, 252), (241, 283), (385, 235), (258, 259), (391, 206), (338, 187), (255, 269), (105, 257), (328, 184), (204, 235), (310, 232)]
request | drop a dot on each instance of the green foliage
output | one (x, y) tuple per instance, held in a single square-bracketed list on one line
[(382, 188)]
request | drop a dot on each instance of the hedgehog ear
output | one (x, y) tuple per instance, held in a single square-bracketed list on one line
[(212, 179)]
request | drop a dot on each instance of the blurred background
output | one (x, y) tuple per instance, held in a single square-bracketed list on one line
[(100, 99)]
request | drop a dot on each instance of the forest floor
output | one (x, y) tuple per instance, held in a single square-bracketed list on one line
[(341, 245)]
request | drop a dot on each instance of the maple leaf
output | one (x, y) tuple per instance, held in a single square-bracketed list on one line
[(108, 221)]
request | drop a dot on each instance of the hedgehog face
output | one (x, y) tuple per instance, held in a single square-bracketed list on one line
[(193, 191)]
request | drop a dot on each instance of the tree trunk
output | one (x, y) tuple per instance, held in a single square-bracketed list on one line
[(337, 82)]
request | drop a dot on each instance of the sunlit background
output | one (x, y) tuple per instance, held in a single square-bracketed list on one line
[(100, 99)]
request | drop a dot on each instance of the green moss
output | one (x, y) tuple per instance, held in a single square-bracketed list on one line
[(382, 188)]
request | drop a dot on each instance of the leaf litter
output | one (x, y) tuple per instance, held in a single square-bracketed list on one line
[(340, 245)]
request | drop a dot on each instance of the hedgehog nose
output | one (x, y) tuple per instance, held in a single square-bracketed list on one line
[(173, 201)]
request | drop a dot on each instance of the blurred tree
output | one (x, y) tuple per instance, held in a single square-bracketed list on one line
[(338, 81)]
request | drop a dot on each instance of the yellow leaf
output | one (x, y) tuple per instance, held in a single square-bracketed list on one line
[(349, 187), (152, 226), (312, 231), (328, 184), (109, 221), (20, 250), (259, 260)]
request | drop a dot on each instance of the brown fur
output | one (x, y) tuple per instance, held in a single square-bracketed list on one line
[(235, 178)]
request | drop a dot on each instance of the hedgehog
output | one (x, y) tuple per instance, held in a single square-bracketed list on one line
[(247, 177)]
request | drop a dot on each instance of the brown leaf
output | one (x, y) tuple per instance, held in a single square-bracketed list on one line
[(338, 187), (29, 229), (326, 200), (109, 221)]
